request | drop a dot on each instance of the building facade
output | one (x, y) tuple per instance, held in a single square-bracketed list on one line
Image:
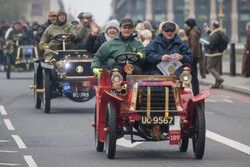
[(232, 14), (37, 10)]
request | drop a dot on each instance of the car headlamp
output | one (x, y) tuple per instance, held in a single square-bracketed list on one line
[(61, 67), (116, 79), (186, 77)]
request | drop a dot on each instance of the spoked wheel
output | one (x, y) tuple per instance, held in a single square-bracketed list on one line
[(199, 131), (111, 136), (47, 91), (184, 144), (36, 94), (8, 63), (98, 145)]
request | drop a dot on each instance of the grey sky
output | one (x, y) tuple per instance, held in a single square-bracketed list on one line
[(101, 9)]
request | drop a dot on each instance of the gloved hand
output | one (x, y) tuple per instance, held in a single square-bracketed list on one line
[(97, 72), (141, 55)]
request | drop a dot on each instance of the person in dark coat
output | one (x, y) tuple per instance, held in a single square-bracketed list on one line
[(94, 42), (193, 41), (246, 58), (213, 53), (51, 18), (166, 45)]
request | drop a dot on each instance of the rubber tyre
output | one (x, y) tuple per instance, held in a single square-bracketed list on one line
[(199, 135), (98, 145), (184, 144), (8, 63), (36, 95), (111, 136), (47, 93)]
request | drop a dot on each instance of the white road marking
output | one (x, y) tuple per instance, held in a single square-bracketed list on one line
[(19, 141), (2, 110), (30, 161), (8, 164), (228, 101), (4, 141), (7, 151), (231, 143), (8, 124), (126, 143)]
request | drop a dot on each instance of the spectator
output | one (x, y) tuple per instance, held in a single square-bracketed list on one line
[(146, 37), (80, 17), (193, 41), (148, 26), (214, 56), (246, 58), (94, 42), (182, 35)]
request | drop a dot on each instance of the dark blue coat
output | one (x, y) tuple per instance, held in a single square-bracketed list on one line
[(159, 47)]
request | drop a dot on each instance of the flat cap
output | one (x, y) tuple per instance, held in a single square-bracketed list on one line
[(80, 15), (126, 21), (87, 15), (52, 13), (169, 26)]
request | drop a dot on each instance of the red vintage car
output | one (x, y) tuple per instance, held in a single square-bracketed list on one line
[(153, 107)]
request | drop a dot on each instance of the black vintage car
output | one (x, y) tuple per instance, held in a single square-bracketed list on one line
[(19, 57), (63, 73)]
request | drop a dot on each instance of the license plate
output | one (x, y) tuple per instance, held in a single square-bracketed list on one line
[(66, 87), (157, 120)]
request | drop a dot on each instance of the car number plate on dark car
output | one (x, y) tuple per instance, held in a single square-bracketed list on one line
[(157, 120)]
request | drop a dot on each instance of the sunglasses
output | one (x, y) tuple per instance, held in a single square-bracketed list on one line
[(170, 30)]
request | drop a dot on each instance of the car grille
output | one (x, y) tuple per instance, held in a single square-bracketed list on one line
[(157, 100), (72, 69)]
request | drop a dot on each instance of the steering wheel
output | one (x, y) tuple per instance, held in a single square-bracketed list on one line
[(63, 37), (131, 61)]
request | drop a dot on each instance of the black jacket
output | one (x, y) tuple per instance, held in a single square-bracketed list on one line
[(93, 43), (41, 30), (159, 47), (212, 49)]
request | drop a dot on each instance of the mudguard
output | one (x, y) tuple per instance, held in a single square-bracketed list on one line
[(47, 66), (101, 115)]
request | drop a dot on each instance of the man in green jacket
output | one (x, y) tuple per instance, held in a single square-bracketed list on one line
[(84, 30), (59, 27), (123, 42)]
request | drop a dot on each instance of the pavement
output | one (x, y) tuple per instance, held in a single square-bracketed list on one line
[(234, 83)]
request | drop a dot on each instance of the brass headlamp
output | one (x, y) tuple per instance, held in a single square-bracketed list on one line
[(116, 79), (186, 77)]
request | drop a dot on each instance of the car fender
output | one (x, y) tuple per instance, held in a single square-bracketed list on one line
[(47, 66), (200, 98), (101, 115)]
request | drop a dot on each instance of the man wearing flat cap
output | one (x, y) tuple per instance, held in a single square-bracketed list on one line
[(167, 46), (42, 28), (61, 26), (124, 42), (84, 30), (80, 17)]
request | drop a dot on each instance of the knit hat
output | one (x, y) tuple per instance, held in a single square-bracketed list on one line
[(112, 23)]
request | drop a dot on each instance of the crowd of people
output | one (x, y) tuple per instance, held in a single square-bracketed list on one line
[(166, 43)]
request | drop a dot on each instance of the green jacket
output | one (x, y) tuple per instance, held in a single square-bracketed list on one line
[(107, 52), (53, 30)]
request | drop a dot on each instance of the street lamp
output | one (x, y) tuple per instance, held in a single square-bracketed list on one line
[(221, 14)]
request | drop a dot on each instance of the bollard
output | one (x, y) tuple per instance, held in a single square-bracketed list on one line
[(232, 60)]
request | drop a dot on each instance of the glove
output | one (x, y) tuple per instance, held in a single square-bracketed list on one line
[(97, 72), (141, 55)]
